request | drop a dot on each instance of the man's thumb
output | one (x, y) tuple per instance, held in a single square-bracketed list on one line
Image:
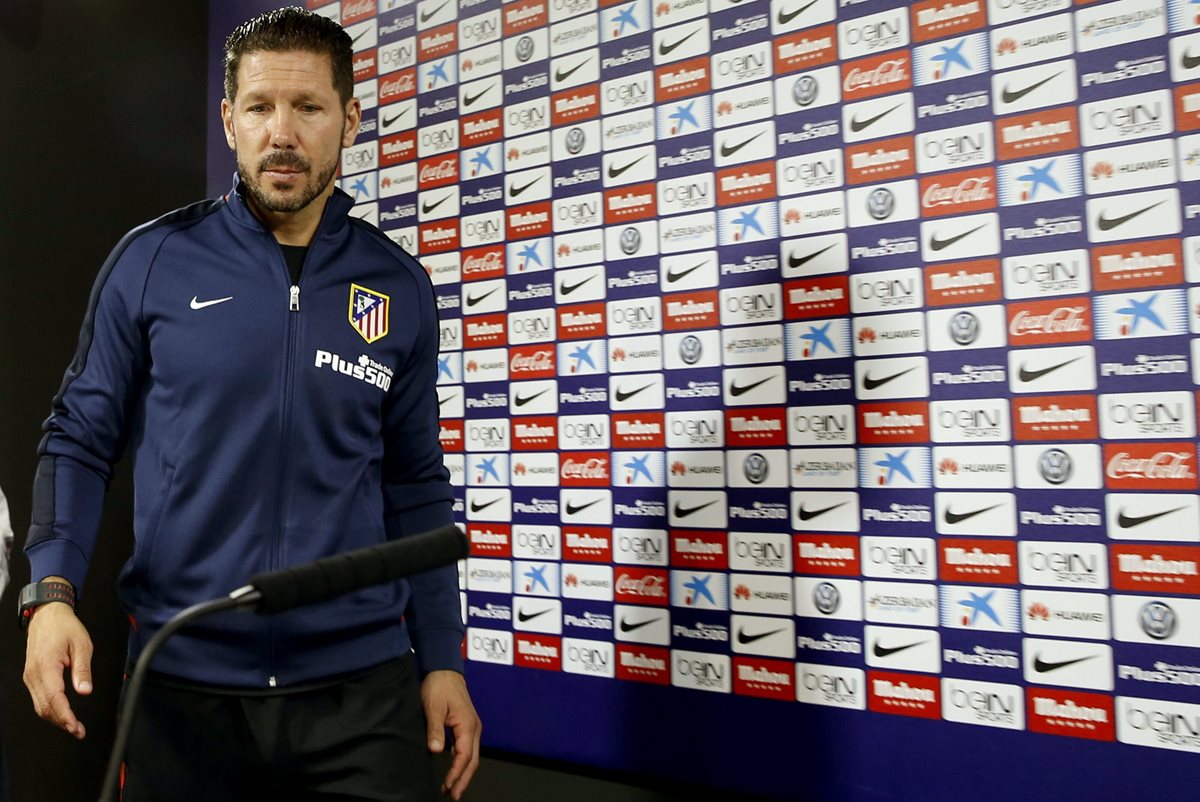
[(436, 730), (81, 668)]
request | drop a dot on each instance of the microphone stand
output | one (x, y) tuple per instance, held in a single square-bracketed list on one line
[(241, 597)]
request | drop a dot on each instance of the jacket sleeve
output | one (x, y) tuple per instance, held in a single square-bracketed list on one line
[(417, 493), (90, 417)]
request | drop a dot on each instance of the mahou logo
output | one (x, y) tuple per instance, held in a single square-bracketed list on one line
[(1149, 466), (642, 586)]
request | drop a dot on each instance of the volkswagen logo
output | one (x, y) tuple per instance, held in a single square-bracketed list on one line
[(881, 203), (1158, 620), (826, 598), (1055, 465), (575, 140), (631, 240), (964, 328), (690, 349), (804, 91), (524, 48), (756, 468)]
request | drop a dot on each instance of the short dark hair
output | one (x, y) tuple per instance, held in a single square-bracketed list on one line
[(289, 29)]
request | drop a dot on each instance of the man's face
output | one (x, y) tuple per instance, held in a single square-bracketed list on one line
[(287, 127)]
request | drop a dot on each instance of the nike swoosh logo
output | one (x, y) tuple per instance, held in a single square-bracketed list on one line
[(524, 616), (469, 99), (857, 125), (888, 651), (361, 35), (1108, 223), (628, 627), (429, 207), (621, 395), (744, 639), (727, 151), (873, 384), (1189, 61), (567, 289), (515, 191), (736, 389), (808, 515), (1029, 375), (1041, 666), (198, 304), (1008, 96), (427, 17), (446, 400), (936, 244), (573, 509), (390, 120), (474, 299), (477, 507), (672, 276), (959, 517), (560, 75), (1129, 521), (683, 512), (522, 400), (788, 16), (665, 49), (614, 172), (800, 261)]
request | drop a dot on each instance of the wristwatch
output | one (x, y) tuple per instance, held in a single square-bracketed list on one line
[(35, 594)]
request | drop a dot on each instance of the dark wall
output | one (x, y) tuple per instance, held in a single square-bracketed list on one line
[(103, 128)]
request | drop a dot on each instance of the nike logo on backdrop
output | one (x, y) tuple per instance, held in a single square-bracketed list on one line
[(857, 125), (1109, 223), (524, 616), (672, 276), (1129, 521), (1009, 96), (614, 172), (683, 512), (888, 651), (727, 150), (736, 389), (622, 395), (744, 639), (808, 515), (470, 99), (562, 75), (787, 16), (198, 304), (874, 384), (628, 627), (959, 517), (567, 289), (477, 507), (1041, 666), (665, 49), (799, 261), (572, 509), (427, 16), (522, 400), (1026, 375), (938, 244)]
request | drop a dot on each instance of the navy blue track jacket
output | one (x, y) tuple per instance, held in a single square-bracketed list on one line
[(269, 425)]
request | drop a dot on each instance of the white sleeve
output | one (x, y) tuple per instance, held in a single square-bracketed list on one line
[(6, 539)]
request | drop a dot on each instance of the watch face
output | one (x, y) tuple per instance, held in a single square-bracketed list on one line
[(35, 594)]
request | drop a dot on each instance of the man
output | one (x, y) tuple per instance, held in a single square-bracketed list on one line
[(6, 539), (271, 362)]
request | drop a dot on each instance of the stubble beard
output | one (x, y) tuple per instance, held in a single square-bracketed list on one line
[(283, 200)]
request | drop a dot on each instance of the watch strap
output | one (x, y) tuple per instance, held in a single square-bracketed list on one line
[(35, 594)]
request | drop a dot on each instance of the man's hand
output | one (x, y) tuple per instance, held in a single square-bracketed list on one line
[(57, 641), (448, 705)]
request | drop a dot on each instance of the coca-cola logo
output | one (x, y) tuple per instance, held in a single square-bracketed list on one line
[(1162, 465), (650, 586), (892, 71), (446, 169), (1061, 320), (537, 362), (970, 190), (492, 260), (589, 469)]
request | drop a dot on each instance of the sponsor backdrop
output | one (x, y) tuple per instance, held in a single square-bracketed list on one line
[(826, 364)]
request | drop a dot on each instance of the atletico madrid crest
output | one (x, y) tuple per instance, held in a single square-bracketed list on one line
[(369, 312)]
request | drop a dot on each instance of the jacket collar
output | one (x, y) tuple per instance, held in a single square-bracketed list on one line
[(333, 219)]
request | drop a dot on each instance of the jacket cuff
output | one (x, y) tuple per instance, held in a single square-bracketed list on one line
[(58, 557), (438, 650)]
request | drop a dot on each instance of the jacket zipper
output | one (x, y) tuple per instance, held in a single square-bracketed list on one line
[(285, 427)]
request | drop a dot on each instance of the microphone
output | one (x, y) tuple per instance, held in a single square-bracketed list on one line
[(329, 577), (278, 591)]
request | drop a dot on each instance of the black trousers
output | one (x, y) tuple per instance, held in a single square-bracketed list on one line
[(360, 740)]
